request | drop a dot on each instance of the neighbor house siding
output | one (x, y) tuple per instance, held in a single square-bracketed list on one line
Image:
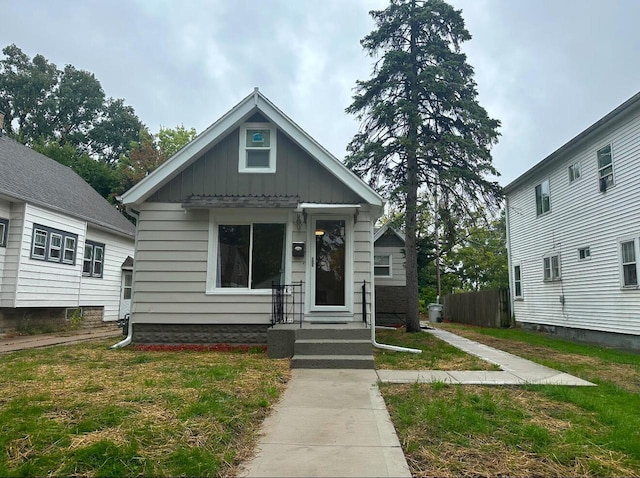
[(12, 254), (580, 216), (105, 291), (5, 212), (398, 273), (216, 173), (43, 283)]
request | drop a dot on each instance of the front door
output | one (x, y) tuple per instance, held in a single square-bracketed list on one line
[(329, 271)]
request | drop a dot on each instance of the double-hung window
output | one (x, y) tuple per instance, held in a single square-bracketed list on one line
[(574, 172), (605, 168), (629, 258), (250, 256), (93, 261), (257, 148), (382, 265), (4, 231), (551, 267), (543, 198), (517, 282), (53, 245)]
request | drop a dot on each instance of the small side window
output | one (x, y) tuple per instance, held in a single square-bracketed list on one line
[(543, 198), (605, 168), (257, 148), (584, 253), (517, 282), (382, 265), (629, 263), (4, 231), (574, 172), (551, 268)]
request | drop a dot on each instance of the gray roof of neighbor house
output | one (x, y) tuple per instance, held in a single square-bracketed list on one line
[(29, 176), (599, 125)]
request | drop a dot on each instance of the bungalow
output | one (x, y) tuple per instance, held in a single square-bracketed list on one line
[(573, 235), (62, 245), (250, 207)]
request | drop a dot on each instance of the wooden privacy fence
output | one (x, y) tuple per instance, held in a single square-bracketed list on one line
[(488, 308)]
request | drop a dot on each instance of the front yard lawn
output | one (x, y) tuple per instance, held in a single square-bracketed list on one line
[(85, 410), (449, 430)]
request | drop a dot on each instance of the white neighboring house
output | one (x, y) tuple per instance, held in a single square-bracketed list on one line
[(62, 246), (573, 232), (390, 276)]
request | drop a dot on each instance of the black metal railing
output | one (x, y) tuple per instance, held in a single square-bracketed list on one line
[(364, 301), (287, 303)]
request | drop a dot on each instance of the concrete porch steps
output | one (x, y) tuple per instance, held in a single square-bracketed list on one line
[(333, 347), (333, 361)]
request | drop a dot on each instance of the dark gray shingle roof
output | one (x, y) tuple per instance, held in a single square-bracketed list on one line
[(32, 177)]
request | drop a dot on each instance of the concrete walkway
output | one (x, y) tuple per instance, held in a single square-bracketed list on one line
[(21, 342), (329, 423), (515, 370)]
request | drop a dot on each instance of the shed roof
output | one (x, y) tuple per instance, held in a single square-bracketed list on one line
[(29, 176)]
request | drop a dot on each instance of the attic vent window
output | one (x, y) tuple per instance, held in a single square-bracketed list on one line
[(257, 148)]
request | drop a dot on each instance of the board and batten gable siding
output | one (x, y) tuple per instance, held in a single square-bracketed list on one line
[(105, 291), (297, 174), (580, 216), (12, 254), (44, 283)]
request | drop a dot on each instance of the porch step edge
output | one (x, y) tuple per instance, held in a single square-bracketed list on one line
[(333, 361)]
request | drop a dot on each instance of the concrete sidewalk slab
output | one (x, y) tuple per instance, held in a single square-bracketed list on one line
[(329, 423)]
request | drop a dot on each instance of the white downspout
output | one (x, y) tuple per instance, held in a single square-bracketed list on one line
[(127, 340), (373, 311)]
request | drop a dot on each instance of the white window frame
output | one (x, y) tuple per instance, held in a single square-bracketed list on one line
[(548, 273), (4, 231), (584, 251), (71, 248), (39, 232), (609, 183), (389, 266), (48, 232), (540, 185), (242, 162), (575, 172), (250, 218), (636, 253), (92, 261), (55, 248), (517, 281)]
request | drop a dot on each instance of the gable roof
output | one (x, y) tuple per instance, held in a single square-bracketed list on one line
[(29, 176), (380, 232), (253, 103), (596, 127)]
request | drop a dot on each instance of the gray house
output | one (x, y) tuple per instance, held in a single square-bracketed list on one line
[(62, 245), (252, 207)]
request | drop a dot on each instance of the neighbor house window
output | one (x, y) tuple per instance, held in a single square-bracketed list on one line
[(93, 261), (257, 148), (629, 263), (382, 265), (605, 168), (126, 289), (574, 172), (53, 245), (551, 266), (250, 256), (4, 231), (584, 253), (517, 281), (543, 200)]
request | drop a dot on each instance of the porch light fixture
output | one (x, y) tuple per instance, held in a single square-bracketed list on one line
[(319, 233)]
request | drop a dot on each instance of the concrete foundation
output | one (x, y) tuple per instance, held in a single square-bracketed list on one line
[(200, 333), (391, 305), (596, 337), (29, 320)]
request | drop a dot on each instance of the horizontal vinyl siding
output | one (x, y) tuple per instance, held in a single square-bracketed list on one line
[(171, 273), (12, 255), (54, 284), (362, 244), (398, 273), (105, 291), (581, 216), (5, 213)]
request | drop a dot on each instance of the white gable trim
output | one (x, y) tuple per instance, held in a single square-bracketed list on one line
[(216, 132), (384, 229)]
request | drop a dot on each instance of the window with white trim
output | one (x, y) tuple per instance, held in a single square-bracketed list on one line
[(53, 245), (4, 231), (382, 265), (584, 253), (127, 287), (257, 148), (574, 172), (551, 268), (250, 256), (543, 198), (93, 261), (629, 255), (605, 168), (517, 282)]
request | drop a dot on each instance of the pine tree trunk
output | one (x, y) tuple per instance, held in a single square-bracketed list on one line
[(413, 318)]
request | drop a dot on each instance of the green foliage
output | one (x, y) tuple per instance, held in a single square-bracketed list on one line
[(423, 129), (75, 319), (172, 140)]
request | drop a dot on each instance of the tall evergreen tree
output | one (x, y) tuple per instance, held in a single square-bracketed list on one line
[(422, 126)]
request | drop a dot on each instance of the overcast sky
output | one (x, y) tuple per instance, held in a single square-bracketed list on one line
[(547, 69)]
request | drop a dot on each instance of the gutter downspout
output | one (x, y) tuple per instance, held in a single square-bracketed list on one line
[(127, 340), (394, 348)]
